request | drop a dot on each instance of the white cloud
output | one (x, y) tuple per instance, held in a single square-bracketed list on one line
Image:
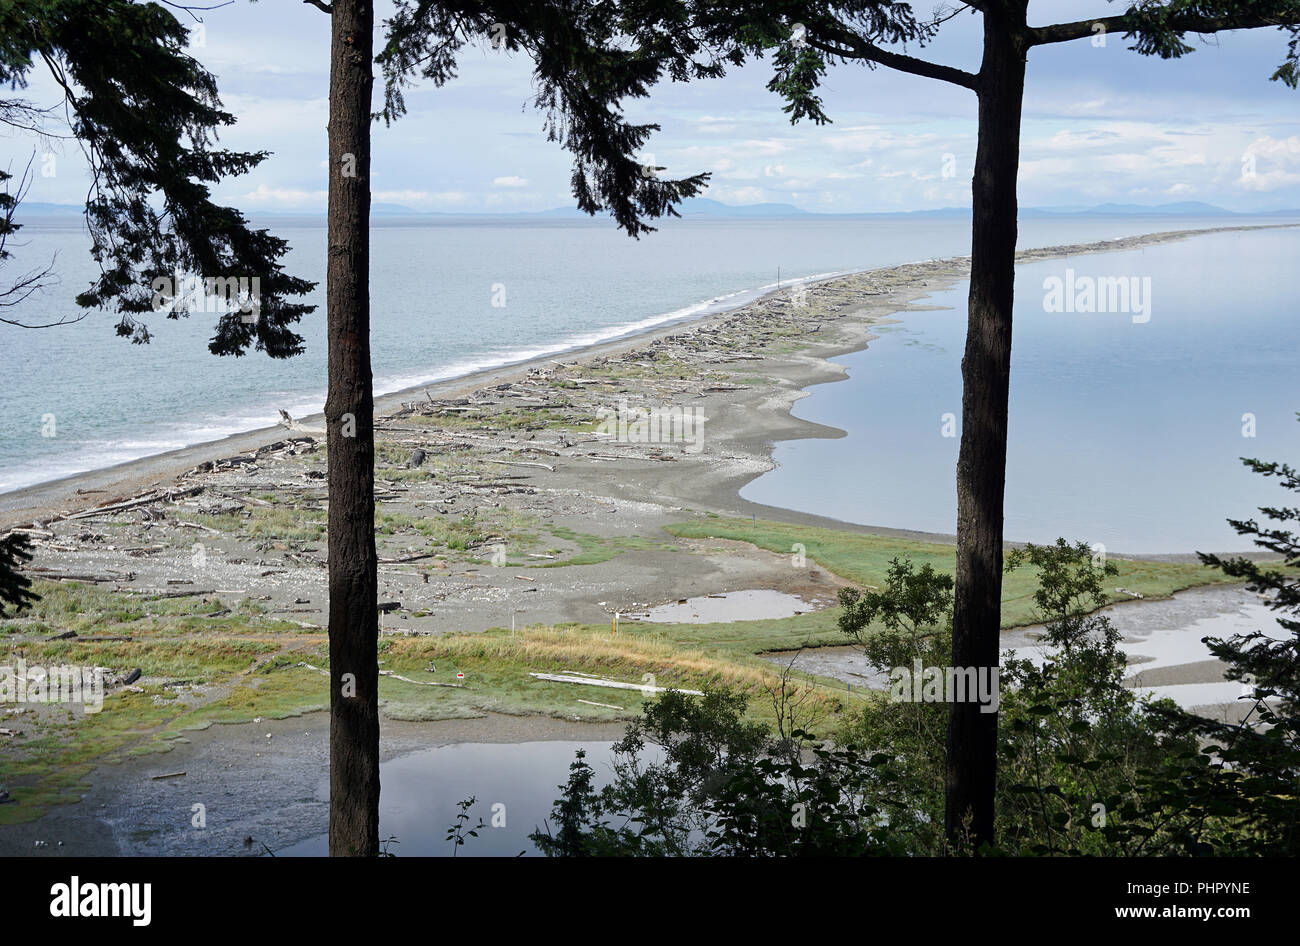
[(450, 197), (400, 197), (1286, 149), (1126, 128), (1269, 164), (738, 195), (711, 125), (764, 146), (285, 196)]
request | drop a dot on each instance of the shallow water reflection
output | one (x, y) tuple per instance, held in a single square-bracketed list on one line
[(1161, 638), (421, 791), (750, 605)]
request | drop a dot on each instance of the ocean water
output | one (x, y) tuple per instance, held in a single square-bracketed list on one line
[(1122, 432), (1134, 405)]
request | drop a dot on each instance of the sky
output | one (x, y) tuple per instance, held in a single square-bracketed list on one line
[(1101, 124)]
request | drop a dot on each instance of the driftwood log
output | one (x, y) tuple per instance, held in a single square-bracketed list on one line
[(612, 684)]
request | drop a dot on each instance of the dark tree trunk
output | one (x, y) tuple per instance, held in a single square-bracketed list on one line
[(353, 567), (982, 463)]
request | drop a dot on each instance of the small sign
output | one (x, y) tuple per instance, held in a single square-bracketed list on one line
[(460, 676)]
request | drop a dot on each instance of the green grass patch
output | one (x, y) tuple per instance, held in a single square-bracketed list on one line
[(497, 664), (864, 560)]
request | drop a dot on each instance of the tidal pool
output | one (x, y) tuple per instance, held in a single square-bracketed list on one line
[(515, 784), (750, 605), (1163, 641)]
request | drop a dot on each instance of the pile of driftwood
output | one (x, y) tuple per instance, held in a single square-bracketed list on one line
[(247, 462), (147, 498), (194, 491)]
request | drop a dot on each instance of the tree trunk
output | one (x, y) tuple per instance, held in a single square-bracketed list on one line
[(349, 413), (982, 463)]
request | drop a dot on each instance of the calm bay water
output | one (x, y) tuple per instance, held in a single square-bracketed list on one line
[(1121, 432), (514, 785)]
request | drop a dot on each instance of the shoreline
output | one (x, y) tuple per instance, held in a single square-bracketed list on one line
[(32, 505), (156, 467)]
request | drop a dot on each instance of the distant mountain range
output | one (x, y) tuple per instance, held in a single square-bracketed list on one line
[(706, 207)]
